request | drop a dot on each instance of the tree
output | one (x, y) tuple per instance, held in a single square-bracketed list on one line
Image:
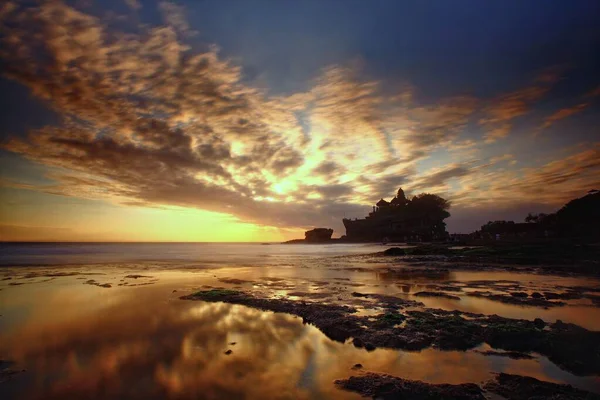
[(535, 218), (430, 202), (433, 208), (494, 227)]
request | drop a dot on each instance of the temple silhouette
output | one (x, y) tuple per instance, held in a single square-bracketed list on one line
[(401, 219)]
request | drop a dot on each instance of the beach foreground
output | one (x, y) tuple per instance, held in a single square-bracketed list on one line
[(276, 321)]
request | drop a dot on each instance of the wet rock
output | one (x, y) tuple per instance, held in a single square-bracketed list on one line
[(357, 366), (392, 302), (135, 276), (515, 355), (271, 279), (389, 319), (516, 387), (551, 295), (382, 386), (335, 321), (403, 273), (7, 372), (445, 331), (445, 288), (232, 343), (94, 283), (519, 294), (539, 323), (563, 296), (357, 294), (536, 295), (311, 295), (234, 281), (358, 343), (571, 347), (518, 300), (369, 347), (437, 294), (228, 352), (394, 251)]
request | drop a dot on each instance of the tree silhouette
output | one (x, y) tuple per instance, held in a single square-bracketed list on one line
[(535, 218), (431, 208)]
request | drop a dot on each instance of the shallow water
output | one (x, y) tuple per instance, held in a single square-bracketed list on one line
[(209, 254), (77, 340)]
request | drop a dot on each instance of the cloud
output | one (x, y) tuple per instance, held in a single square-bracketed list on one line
[(429, 126), (133, 4), (499, 113), (20, 233), (174, 16), (553, 183), (503, 157), (329, 191), (439, 177), (562, 114), (328, 168), (147, 119)]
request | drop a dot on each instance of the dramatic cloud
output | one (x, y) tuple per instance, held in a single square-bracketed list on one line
[(438, 178), (499, 114), (553, 183), (149, 119)]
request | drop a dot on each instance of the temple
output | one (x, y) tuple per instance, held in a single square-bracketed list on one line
[(401, 220)]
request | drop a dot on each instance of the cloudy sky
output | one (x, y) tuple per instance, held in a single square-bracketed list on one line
[(253, 120)]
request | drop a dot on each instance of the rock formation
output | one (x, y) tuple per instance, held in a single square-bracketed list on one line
[(318, 235)]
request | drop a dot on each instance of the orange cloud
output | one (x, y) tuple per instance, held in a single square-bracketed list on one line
[(502, 110), (553, 183), (562, 114)]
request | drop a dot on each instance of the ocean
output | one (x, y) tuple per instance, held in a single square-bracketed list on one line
[(28, 254), (115, 320)]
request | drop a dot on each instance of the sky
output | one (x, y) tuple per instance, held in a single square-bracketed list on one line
[(212, 120)]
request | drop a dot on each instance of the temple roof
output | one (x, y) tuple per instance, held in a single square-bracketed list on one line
[(381, 203)]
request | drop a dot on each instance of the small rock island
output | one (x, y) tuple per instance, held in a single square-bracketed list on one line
[(318, 235)]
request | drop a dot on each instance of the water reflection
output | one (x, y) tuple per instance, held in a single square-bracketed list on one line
[(143, 342)]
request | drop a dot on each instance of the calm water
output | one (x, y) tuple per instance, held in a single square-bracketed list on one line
[(137, 339), (200, 253)]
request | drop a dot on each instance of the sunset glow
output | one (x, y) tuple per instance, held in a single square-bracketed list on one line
[(143, 121)]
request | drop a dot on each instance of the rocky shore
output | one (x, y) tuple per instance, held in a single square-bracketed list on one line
[(569, 346)]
